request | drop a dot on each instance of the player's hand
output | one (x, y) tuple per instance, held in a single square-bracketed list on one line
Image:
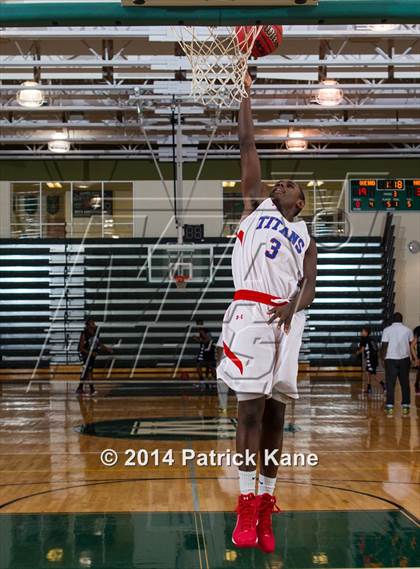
[(248, 81), (284, 314)]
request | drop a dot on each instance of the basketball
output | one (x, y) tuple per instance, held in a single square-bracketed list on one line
[(267, 41)]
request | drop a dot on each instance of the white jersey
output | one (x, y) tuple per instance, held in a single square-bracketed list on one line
[(269, 251)]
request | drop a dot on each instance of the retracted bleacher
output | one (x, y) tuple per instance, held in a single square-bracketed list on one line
[(48, 287)]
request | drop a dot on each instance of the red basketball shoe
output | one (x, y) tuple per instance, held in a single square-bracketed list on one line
[(266, 506), (245, 532)]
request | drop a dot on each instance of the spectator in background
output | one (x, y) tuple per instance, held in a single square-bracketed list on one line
[(415, 353), (369, 348), (395, 351), (206, 356)]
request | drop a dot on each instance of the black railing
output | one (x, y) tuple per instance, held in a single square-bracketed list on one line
[(388, 243)]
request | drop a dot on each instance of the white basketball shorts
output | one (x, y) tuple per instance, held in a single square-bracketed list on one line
[(260, 357)]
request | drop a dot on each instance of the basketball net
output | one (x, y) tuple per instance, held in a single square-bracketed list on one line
[(219, 62)]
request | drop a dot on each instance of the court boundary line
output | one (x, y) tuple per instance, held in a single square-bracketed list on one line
[(376, 481), (112, 512), (395, 505)]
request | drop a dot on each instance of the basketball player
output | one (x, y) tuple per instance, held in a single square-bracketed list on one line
[(369, 348), (207, 353), (262, 329), (415, 356), (89, 346)]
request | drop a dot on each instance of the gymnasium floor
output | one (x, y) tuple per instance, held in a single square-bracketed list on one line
[(60, 507)]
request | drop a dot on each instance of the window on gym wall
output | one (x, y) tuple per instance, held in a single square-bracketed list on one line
[(119, 222), (55, 204), (72, 209), (327, 215), (232, 206), (89, 208), (25, 210)]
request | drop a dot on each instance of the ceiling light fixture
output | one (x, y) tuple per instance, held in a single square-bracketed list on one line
[(329, 94), (30, 96), (59, 143), (296, 142)]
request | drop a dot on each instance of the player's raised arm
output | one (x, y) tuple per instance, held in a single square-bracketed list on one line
[(250, 162)]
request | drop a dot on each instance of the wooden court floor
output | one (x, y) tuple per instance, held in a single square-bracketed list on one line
[(61, 507)]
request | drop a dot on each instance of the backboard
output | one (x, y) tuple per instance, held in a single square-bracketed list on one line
[(166, 261)]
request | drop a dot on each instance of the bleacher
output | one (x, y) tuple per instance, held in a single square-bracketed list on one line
[(48, 287)]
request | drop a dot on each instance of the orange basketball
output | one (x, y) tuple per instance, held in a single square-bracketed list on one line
[(268, 40)]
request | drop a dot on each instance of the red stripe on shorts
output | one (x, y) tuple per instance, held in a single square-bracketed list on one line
[(262, 297), (234, 358)]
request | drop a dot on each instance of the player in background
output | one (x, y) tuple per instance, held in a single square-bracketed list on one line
[(89, 346), (415, 356), (206, 356), (369, 348), (263, 327)]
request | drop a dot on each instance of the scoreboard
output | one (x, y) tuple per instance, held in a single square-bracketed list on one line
[(385, 195)]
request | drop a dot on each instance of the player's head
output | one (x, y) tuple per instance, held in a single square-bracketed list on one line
[(366, 330), (199, 323), (397, 317), (287, 194), (90, 324)]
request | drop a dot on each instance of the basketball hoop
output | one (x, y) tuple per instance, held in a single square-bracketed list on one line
[(181, 281), (219, 62)]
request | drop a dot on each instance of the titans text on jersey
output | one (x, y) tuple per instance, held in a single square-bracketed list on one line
[(277, 224)]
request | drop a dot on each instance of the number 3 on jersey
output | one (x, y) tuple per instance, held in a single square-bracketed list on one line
[(275, 247)]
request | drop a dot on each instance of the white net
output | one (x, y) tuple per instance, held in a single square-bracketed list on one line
[(219, 61), (181, 281)]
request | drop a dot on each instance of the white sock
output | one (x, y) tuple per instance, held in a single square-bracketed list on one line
[(247, 481), (266, 485)]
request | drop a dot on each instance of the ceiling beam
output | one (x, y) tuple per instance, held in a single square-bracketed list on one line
[(112, 13), (275, 154), (163, 33), (168, 62), (270, 106), (256, 89), (162, 124)]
